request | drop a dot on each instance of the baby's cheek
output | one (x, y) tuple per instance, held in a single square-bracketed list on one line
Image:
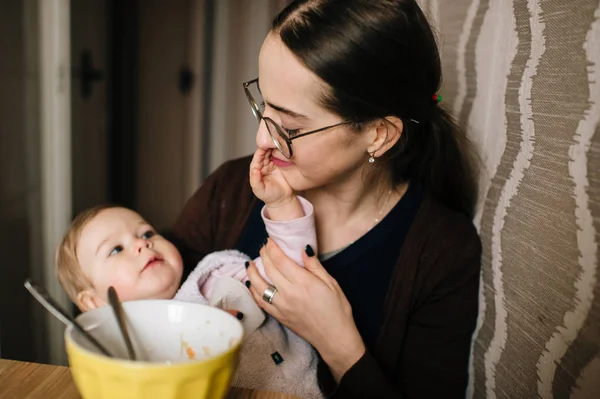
[(171, 255), (125, 284)]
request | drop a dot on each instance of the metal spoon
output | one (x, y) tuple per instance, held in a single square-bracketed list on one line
[(54, 308), (117, 308)]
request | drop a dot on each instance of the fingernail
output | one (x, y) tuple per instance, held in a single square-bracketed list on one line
[(247, 264), (309, 251), (239, 315), (248, 283)]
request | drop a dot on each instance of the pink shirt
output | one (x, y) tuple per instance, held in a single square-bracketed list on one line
[(292, 236)]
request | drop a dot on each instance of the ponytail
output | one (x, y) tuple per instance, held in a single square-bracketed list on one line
[(453, 176), (437, 155)]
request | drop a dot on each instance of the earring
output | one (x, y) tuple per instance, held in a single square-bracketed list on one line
[(372, 158)]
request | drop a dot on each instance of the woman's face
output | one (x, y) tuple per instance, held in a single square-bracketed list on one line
[(291, 93)]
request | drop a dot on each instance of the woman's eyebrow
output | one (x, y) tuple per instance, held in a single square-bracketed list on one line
[(286, 111)]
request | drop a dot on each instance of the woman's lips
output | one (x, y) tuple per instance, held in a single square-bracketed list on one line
[(281, 163)]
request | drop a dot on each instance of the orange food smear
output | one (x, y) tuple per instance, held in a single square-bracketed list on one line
[(190, 352), (188, 349)]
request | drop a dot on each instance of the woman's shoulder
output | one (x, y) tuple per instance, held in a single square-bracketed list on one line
[(236, 170), (228, 185), (438, 223), (443, 246), (230, 180), (444, 241)]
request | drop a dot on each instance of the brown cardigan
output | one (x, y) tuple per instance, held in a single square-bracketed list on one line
[(430, 308)]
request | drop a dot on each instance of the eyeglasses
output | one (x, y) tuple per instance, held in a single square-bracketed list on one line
[(282, 138)]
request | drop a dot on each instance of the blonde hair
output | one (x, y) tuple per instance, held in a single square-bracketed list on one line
[(69, 271)]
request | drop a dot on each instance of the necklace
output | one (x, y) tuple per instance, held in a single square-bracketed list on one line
[(378, 218)]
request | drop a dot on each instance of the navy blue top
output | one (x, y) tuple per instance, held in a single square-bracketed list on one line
[(363, 269)]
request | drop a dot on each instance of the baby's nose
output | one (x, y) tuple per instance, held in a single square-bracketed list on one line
[(141, 243)]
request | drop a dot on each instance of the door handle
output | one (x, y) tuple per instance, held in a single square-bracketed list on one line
[(87, 74)]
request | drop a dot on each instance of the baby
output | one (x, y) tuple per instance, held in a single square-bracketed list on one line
[(114, 246)]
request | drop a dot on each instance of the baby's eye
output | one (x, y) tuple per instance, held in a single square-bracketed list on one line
[(148, 234), (116, 250)]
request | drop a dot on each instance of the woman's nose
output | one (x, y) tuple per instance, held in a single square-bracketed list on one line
[(263, 138)]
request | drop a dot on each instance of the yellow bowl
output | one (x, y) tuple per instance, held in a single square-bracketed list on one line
[(186, 350)]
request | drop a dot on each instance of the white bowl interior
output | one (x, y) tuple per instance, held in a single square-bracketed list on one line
[(162, 331)]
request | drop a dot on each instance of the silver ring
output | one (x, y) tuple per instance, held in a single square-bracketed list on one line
[(269, 293)]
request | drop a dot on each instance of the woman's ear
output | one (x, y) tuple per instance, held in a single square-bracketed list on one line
[(88, 300), (387, 132)]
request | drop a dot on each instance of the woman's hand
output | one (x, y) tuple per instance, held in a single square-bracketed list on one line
[(311, 303), (267, 181)]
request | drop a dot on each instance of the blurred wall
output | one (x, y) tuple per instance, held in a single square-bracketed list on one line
[(20, 236), (240, 29), (168, 137), (184, 136)]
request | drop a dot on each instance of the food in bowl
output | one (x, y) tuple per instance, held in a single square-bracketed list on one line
[(185, 350)]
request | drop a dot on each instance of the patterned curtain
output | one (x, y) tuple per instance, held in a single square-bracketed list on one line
[(523, 76)]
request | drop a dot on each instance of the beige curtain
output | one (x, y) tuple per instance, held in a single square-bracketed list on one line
[(523, 76)]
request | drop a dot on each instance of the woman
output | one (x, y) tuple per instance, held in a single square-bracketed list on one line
[(348, 110)]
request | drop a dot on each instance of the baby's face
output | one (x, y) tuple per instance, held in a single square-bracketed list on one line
[(118, 248)]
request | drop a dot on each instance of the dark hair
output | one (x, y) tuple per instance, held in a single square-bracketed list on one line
[(380, 59)]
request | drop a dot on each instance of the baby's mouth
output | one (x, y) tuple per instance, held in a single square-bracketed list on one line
[(154, 260)]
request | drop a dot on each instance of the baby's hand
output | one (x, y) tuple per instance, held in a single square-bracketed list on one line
[(268, 182)]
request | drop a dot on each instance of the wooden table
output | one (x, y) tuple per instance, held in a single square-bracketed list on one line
[(20, 380)]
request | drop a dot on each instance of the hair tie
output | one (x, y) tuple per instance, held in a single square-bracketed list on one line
[(437, 98)]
